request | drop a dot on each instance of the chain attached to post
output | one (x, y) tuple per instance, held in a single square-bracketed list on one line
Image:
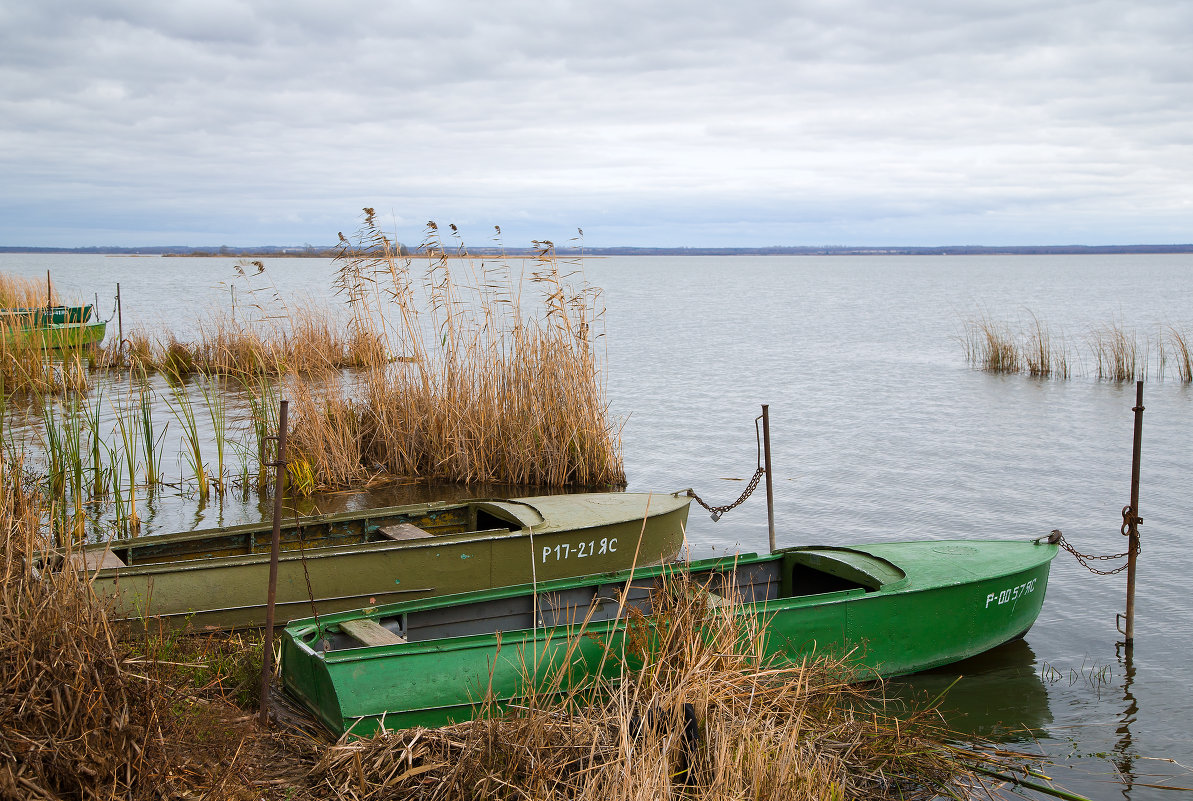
[(1084, 558), (718, 511)]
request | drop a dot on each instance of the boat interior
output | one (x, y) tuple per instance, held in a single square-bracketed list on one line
[(790, 574), (328, 531)]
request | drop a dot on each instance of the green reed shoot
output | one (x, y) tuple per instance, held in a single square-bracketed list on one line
[(263, 422), (215, 398), (153, 447), (130, 435), (99, 473), (184, 412)]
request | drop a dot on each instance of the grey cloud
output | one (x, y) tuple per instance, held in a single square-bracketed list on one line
[(262, 120)]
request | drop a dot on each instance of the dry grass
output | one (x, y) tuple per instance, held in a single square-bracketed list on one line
[(310, 340), (704, 717), (485, 388), (19, 292), (1116, 352), (91, 712), (1045, 355), (991, 346), (1176, 346)]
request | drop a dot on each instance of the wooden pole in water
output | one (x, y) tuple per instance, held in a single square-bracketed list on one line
[(119, 321), (49, 294), (1132, 519), (770, 492), (279, 488)]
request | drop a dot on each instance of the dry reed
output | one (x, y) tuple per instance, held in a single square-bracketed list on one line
[(1177, 342), (705, 716), (991, 346), (1117, 353), (91, 712), (484, 389), (20, 292)]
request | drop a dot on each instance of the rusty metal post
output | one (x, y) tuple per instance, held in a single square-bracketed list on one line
[(1132, 520), (119, 321), (770, 493), (279, 489)]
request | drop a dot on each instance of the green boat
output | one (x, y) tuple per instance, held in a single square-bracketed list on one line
[(218, 578), (56, 336), (893, 609), (46, 315)]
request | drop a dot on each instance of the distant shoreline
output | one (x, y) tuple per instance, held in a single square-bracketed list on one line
[(275, 252)]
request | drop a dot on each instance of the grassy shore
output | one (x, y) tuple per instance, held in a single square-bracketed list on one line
[(93, 710)]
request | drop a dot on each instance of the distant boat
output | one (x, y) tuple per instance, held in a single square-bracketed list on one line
[(894, 609), (51, 327), (64, 336), (47, 315), (219, 577)]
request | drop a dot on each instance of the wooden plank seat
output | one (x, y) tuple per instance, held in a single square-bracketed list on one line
[(94, 559), (403, 531), (370, 632)]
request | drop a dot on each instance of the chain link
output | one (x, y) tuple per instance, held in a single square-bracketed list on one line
[(1084, 558), (717, 511)]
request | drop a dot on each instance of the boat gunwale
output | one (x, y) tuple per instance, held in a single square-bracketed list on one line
[(206, 562), (299, 628)]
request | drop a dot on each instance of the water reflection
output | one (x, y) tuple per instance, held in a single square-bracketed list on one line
[(1125, 754), (997, 696)]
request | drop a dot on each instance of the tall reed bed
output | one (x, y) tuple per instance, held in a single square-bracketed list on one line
[(705, 716), (310, 339), (497, 376), (91, 712), (20, 292), (1111, 352)]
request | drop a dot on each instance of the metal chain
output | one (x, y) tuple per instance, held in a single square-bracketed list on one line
[(1084, 558), (717, 511), (302, 555)]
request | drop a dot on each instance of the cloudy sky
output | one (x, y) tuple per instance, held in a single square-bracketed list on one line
[(744, 123)]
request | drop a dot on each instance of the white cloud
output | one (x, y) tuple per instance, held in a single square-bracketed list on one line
[(669, 123)]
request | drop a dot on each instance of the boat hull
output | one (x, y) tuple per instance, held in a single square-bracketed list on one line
[(57, 336), (889, 610), (219, 578)]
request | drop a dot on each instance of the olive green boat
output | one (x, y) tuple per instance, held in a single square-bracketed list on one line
[(892, 609), (218, 578)]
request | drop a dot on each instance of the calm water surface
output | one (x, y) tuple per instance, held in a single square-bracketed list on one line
[(882, 432)]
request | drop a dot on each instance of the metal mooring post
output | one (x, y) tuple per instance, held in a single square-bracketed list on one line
[(279, 489), (770, 494), (1132, 520), (119, 321)]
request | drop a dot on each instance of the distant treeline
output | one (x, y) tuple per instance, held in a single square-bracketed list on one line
[(327, 252)]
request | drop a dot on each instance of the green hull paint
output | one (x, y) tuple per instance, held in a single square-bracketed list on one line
[(895, 609), (59, 336), (56, 315), (218, 578)]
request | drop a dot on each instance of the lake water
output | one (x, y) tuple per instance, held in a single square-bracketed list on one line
[(881, 431)]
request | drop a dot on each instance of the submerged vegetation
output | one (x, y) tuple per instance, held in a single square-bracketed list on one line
[(1111, 352)]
